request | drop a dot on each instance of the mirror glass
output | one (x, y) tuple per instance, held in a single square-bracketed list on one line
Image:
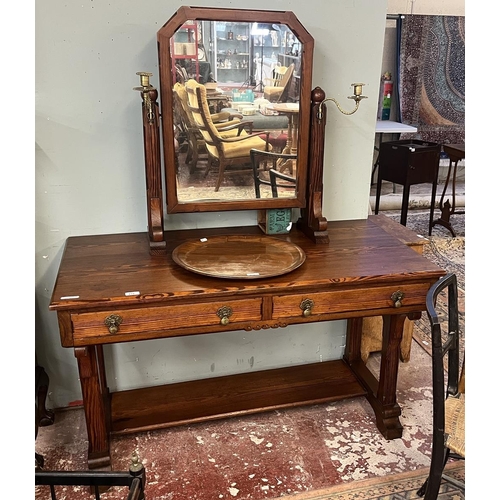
[(235, 98)]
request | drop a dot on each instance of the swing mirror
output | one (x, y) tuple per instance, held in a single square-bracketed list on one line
[(231, 81)]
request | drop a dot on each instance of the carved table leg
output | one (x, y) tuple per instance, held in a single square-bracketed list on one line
[(95, 401), (382, 392)]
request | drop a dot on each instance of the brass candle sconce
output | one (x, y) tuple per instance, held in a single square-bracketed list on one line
[(357, 96), (145, 88)]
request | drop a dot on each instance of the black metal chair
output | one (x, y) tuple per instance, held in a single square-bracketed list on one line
[(448, 439), (134, 478), (267, 168)]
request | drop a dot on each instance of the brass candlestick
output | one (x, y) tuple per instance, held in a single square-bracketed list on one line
[(145, 89)]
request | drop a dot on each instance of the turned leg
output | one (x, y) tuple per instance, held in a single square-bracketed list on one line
[(95, 401)]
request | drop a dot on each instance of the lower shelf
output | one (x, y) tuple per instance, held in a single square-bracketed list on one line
[(214, 398)]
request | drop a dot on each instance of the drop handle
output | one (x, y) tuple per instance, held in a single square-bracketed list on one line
[(113, 322), (224, 313), (306, 305), (397, 297)]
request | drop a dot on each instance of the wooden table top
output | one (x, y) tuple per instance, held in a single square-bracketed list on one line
[(455, 151), (118, 269)]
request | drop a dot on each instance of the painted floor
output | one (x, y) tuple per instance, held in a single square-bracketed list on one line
[(267, 455)]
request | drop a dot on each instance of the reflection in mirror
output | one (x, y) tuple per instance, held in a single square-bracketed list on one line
[(236, 89), (250, 75)]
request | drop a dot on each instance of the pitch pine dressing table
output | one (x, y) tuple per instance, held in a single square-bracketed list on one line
[(126, 287)]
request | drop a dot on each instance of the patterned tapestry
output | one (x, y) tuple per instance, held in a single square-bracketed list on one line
[(432, 77)]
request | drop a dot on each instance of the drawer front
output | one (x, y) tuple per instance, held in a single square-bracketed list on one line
[(422, 170), (346, 301), (153, 319)]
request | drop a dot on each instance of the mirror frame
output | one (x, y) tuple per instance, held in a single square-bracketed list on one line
[(164, 35)]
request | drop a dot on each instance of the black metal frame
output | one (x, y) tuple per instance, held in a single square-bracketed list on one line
[(443, 343), (135, 479)]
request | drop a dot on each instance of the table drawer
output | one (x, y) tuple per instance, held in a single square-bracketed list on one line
[(121, 322), (345, 301)]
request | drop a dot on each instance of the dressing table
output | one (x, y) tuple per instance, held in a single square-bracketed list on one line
[(127, 287)]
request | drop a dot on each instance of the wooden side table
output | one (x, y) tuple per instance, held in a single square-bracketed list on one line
[(395, 129), (456, 153), (408, 162)]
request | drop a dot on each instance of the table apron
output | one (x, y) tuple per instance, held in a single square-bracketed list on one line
[(262, 312)]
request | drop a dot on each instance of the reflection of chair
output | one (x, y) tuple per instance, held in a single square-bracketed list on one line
[(196, 143), (181, 74), (278, 72), (265, 165), (225, 151), (278, 91), (448, 405)]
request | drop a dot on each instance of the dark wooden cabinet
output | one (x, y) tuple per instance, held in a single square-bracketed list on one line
[(408, 162)]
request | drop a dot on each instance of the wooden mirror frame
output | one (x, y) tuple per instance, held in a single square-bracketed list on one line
[(164, 36), (310, 146)]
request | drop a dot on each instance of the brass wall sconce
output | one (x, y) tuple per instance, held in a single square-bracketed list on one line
[(357, 96)]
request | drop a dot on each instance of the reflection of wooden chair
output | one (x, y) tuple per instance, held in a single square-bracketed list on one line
[(278, 91), (195, 141), (265, 165), (181, 74), (225, 151), (448, 385)]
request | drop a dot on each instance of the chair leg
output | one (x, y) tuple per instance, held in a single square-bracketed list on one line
[(421, 491), (431, 486), (222, 167), (194, 161), (210, 162)]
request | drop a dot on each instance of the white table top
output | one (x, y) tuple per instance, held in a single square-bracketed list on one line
[(390, 127)]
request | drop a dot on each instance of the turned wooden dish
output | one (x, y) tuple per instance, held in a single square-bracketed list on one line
[(239, 257)]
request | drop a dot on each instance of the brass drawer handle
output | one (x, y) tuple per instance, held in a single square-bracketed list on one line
[(224, 312), (113, 322), (306, 305), (397, 297)]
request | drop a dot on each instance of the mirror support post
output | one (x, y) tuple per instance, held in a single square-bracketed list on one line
[(312, 223), (152, 159)]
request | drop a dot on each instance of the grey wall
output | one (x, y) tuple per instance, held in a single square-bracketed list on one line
[(90, 174)]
